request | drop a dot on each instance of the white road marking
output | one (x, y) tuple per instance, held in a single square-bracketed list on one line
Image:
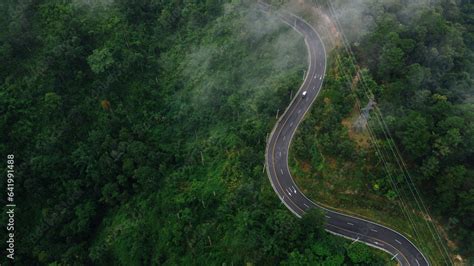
[(373, 230), (329, 217), (398, 241), (281, 170), (350, 223), (394, 256), (291, 124), (417, 262), (279, 153), (294, 189), (377, 243), (306, 205)]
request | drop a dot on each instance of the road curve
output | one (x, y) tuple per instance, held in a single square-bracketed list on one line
[(276, 158)]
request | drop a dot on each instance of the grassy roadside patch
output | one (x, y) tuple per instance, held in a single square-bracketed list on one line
[(337, 167)]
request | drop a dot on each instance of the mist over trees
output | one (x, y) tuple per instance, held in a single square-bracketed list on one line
[(139, 127), (425, 67), (419, 60), (139, 130)]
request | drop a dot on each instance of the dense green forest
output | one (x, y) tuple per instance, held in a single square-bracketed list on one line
[(426, 70), (418, 62), (139, 128)]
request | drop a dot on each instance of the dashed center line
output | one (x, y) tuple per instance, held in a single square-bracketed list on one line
[(373, 230), (396, 240), (350, 223)]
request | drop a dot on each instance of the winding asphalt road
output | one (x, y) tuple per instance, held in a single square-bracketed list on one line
[(276, 158)]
